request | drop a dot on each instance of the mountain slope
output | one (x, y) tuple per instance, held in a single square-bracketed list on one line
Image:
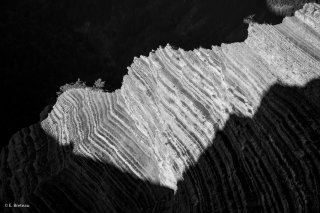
[(232, 128)]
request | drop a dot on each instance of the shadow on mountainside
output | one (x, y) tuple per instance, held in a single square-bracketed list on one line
[(268, 163), (66, 182), (47, 43)]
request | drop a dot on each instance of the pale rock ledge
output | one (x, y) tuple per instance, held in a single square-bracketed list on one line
[(157, 128)]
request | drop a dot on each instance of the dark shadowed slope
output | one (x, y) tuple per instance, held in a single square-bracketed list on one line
[(267, 163)]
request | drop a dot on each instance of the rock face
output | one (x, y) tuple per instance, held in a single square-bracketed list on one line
[(231, 129)]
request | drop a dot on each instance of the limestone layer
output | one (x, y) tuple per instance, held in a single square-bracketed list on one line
[(234, 128)]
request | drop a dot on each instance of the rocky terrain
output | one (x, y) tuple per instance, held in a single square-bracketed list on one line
[(47, 43), (234, 128)]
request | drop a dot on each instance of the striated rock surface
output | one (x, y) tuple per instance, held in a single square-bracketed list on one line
[(232, 129)]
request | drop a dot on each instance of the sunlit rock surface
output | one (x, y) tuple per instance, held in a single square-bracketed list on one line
[(230, 129)]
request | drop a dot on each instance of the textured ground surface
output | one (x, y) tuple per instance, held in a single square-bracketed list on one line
[(234, 128), (47, 43)]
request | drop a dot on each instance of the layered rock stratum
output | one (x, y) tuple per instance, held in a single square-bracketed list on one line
[(234, 128)]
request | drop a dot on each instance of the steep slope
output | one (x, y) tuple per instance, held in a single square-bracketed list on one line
[(48, 43), (233, 128)]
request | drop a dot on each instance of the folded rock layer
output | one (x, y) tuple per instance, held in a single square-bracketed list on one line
[(234, 128)]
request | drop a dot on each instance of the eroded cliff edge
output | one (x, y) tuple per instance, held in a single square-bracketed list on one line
[(233, 128)]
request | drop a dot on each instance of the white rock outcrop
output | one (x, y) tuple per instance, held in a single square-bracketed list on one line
[(228, 129)]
